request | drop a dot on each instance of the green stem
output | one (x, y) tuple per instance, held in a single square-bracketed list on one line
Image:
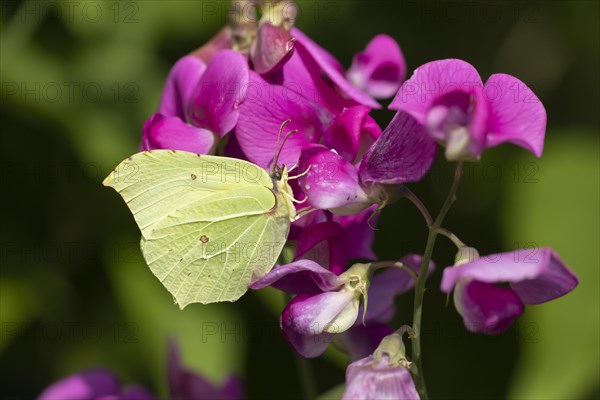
[(455, 239), (307, 379), (420, 284), (406, 192), (395, 264)]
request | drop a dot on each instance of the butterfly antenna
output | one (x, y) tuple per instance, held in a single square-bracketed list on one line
[(287, 135), (275, 153)]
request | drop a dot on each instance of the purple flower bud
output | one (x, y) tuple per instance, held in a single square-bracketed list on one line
[(271, 49), (535, 276)]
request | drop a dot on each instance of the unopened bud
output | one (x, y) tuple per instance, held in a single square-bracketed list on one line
[(465, 255)]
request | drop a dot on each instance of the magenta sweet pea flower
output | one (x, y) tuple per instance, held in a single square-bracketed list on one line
[(261, 115), (199, 104), (401, 154), (268, 105), (380, 69), (328, 304), (187, 385), (535, 276), (450, 99), (383, 375), (367, 379), (93, 384)]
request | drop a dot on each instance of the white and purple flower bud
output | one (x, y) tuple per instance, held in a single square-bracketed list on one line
[(383, 375)]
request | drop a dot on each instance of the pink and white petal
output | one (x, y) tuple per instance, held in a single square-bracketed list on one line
[(555, 281), (432, 81), (370, 379), (261, 115), (180, 86), (380, 69), (300, 276), (311, 314), (331, 183), (403, 153), (221, 90), (345, 134), (486, 308), (308, 346), (161, 132), (332, 69), (516, 114), (358, 235)]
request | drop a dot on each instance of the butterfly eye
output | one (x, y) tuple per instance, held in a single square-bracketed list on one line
[(277, 175)]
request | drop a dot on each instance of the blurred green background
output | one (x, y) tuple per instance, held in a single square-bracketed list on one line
[(79, 79)]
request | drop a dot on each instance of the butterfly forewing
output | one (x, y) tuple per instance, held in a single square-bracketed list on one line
[(208, 223)]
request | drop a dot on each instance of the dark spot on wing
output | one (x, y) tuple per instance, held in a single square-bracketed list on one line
[(193, 176), (204, 239)]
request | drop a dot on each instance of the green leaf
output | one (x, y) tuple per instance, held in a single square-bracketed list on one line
[(559, 208)]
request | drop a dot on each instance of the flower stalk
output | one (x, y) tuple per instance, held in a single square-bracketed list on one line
[(420, 285)]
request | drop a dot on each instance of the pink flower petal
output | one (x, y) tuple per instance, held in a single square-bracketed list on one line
[(271, 49), (351, 130), (486, 308), (516, 114), (432, 81), (220, 91), (261, 115), (332, 69), (536, 274), (358, 235), (172, 133), (180, 86), (331, 183), (379, 69), (403, 153), (300, 276), (324, 243)]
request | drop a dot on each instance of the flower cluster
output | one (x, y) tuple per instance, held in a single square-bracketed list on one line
[(231, 97)]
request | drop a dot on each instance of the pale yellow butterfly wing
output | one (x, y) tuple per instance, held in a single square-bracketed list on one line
[(209, 224)]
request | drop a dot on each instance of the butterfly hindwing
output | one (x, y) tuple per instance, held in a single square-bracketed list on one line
[(207, 223)]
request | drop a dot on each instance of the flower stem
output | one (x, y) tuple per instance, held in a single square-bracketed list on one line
[(457, 242), (406, 192), (420, 284), (307, 379)]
